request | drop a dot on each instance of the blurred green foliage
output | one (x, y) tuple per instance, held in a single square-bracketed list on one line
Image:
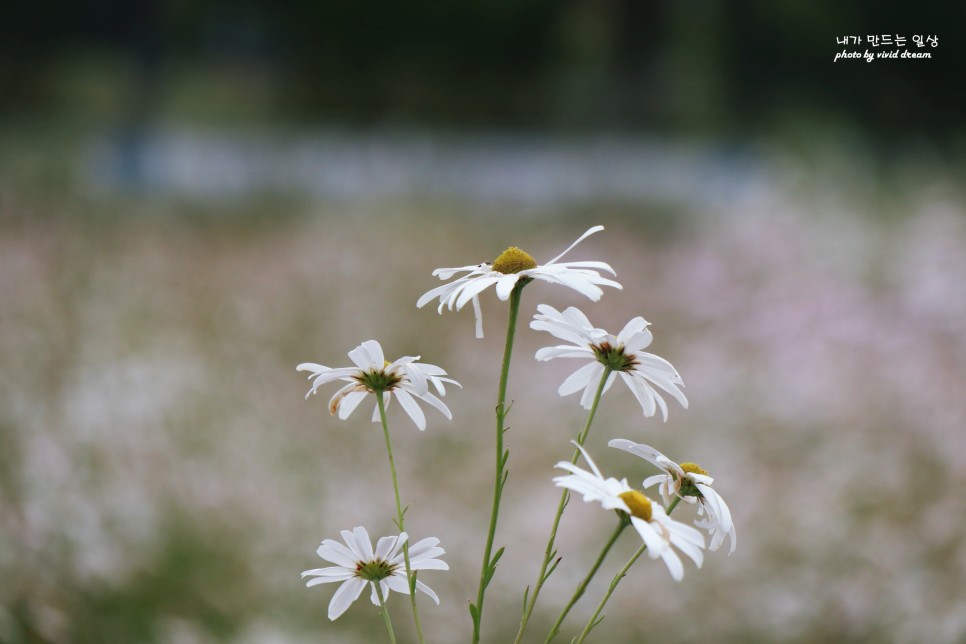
[(696, 67)]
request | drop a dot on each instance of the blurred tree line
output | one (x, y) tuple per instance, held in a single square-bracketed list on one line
[(686, 66)]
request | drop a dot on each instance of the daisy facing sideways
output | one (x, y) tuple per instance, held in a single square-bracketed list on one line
[(405, 378), (643, 373), (659, 531), (691, 483), (512, 266), (358, 565)]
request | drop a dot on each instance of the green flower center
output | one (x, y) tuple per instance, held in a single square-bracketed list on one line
[(378, 380), (374, 570), (613, 357), (639, 504), (513, 260)]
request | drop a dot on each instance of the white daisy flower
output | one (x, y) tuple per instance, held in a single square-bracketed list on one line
[(657, 529), (357, 565), (691, 483), (641, 371), (512, 266), (372, 373)]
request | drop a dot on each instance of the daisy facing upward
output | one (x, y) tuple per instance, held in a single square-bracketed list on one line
[(513, 266), (659, 531)]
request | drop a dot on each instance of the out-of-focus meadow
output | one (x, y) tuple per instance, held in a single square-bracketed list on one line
[(163, 479)]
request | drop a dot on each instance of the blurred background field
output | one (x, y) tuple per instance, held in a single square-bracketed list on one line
[(193, 200)]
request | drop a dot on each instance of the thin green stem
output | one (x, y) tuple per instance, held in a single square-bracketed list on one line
[(400, 512), (624, 522), (385, 611), (489, 561), (617, 579), (549, 553)]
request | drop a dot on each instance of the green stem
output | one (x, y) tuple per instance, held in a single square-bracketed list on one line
[(617, 579), (549, 553), (489, 565), (624, 522), (410, 577), (385, 611)]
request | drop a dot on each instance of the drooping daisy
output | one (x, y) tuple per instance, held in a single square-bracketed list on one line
[(691, 483), (512, 266), (372, 373), (657, 529), (358, 565), (641, 371)]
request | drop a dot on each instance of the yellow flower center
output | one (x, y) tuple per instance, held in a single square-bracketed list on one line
[(694, 468), (513, 260), (639, 504), (688, 485)]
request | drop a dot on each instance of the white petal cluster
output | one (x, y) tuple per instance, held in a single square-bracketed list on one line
[(411, 380), (357, 553), (718, 521), (582, 277), (660, 533), (643, 373)]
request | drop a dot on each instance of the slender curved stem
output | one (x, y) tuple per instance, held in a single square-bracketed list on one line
[(624, 522), (617, 579), (400, 512), (549, 553), (489, 566), (385, 611)]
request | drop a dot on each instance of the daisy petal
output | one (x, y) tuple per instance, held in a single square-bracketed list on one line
[(347, 593), (590, 231), (326, 575), (505, 285), (407, 402), (580, 379), (549, 353), (478, 312), (384, 546), (350, 402), (398, 583), (337, 553), (427, 590)]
